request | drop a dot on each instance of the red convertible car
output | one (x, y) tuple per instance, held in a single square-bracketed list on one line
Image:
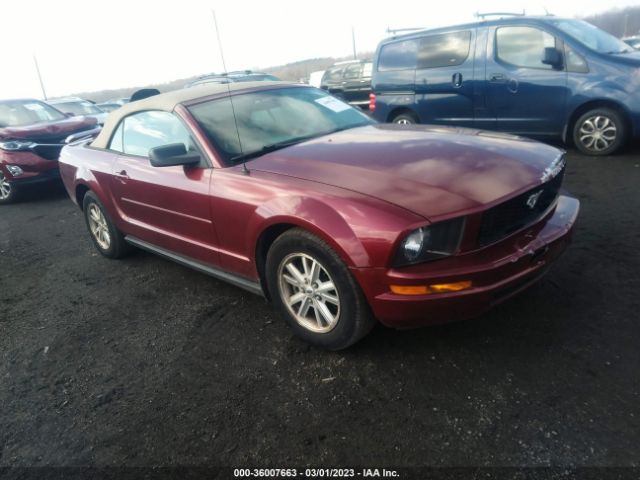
[(290, 193)]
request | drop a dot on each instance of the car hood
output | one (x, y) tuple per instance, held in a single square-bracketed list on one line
[(431, 171), (41, 131)]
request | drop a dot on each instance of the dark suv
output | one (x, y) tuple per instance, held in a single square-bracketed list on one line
[(32, 134), (350, 81), (232, 77)]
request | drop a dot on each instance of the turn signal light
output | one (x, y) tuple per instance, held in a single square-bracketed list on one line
[(427, 289)]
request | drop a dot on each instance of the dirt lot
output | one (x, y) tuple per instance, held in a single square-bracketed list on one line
[(142, 362)]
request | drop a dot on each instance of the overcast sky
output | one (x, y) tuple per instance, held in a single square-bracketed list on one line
[(91, 45)]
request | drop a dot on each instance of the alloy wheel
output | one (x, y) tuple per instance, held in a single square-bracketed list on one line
[(5, 187), (403, 121), (98, 226), (597, 133), (309, 293)]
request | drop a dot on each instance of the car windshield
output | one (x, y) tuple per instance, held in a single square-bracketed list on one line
[(18, 113), (272, 119), (78, 108), (591, 36)]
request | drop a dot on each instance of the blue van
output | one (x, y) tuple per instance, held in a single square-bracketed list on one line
[(545, 77)]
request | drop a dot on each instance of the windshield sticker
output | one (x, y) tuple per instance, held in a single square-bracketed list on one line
[(36, 107), (332, 104)]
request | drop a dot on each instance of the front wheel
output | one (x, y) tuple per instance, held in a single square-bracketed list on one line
[(7, 191), (314, 289), (599, 132)]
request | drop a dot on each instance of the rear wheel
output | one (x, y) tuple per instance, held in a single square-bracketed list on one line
[(405, 119), (105, 236), (599, 132), (319, 297), (7, 191)]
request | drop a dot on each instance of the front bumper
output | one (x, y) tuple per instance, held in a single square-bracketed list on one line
[(35, 168), (497, 273)]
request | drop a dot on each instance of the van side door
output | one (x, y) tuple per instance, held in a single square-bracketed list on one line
[(445, 77), (526, 96)]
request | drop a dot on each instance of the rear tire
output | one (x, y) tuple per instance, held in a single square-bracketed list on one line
[(8, 192), (321, 301), (405, 119), (599, 132), (107, 239)]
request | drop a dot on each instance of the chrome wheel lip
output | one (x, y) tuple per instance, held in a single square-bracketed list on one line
[(597, 133), (98, 226), (5, 187), (309, 293)]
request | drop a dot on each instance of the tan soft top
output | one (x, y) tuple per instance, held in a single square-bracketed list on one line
[(167, 102)]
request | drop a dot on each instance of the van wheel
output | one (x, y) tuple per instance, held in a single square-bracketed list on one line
[(405, 119), (599, 132), (314, 289)]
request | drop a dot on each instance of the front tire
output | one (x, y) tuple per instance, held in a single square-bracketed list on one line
[(599, 132), (8, 192), (107, 239), (311, 285)]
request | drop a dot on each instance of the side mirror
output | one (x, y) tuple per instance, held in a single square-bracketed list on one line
[(553, 57), (172, 155)]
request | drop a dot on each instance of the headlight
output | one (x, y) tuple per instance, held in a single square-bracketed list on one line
[(430, 243), (16, 145)]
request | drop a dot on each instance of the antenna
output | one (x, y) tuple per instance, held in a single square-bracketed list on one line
[(245, 170)]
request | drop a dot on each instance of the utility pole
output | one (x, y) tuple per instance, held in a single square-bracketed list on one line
[(35, 60), (353, 41)]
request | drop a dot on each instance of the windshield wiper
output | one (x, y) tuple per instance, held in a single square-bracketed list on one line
[(272, 147), (626, 50)]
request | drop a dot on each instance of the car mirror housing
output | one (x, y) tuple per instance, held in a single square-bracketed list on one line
[(553, 57), (173, 155)]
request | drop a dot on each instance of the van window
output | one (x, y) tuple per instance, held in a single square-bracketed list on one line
[(444, 50), (575, 62), (523, 46), (398, 55)]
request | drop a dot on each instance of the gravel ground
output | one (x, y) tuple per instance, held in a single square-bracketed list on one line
[(141, 362)]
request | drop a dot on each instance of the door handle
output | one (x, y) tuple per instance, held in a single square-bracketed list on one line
[(122, 176), (498, 77), (456, 80)]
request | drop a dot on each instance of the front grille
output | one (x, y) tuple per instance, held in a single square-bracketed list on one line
[(512, 215), (49, 147)]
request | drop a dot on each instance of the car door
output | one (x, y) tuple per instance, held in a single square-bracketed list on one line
[(525, 95), (356, 86), (444, 78), (166, 206)]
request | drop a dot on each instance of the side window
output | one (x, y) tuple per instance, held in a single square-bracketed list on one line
[(575, 62), (523, 46), (398, 56), (116, 140), (353, 71), (444, 50), (333, 75), (146, 130), (366, 71)]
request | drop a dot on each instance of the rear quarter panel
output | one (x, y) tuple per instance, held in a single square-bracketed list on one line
[(81, 165)]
